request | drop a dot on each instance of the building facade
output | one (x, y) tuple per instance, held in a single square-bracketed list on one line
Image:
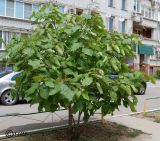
[(125, 16), (146, 23)]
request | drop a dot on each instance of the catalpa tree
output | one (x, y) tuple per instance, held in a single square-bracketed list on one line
[(67, 62)]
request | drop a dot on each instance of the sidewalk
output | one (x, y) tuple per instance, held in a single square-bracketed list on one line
[(148, 127), (145, 126)]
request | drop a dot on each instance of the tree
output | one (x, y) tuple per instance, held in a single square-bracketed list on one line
[(67, 62)]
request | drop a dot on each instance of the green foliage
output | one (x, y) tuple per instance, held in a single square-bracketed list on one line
[(67, 61), (157, 74)]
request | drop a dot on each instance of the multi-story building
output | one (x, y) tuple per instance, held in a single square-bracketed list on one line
[(124, 16), (146, 23), (14, 20)]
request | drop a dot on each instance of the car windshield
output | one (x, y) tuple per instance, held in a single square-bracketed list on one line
[(3, 74)]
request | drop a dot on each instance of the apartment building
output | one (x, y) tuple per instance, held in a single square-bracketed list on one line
[(124, 16), (146, 23), (14, 20)]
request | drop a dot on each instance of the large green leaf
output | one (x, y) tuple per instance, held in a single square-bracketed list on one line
[(28, 51), (113, 96), (99, 88), (116, 48), (32, 89), (85, 96), (49, 84), (44, 93), (35, 63), (76, 46), (68, 71), (87, 81), (57, 89), (67, 92), (87, 51), (126, 88)]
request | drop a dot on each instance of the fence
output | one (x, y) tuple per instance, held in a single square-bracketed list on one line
[(145, 104)]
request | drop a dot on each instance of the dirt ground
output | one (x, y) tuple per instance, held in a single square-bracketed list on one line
[(89, 132), (152, 116)]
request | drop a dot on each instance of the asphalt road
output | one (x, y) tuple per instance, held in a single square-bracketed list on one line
[(36, 121)]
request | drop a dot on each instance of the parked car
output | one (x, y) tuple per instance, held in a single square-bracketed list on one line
[(6, 86), (7, 82), (3, 73), (141, 90)]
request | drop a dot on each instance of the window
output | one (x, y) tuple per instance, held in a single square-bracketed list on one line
[(143, 32), (110, 23), (35, 8), (15, 76), (27, 10), (16, 34), (123, 4), (61, 8), (110, 3), (153, 14), (137, 5), (149, 12), (2, 7), (156, 15), (79, 11), (0, 39), (157, 53), (10, 8), (146, 13), (19, 9), (123, 26), (143, 10), (7, 36), (147, 33)]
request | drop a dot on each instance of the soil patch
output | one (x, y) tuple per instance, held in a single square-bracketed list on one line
[(89, 132)]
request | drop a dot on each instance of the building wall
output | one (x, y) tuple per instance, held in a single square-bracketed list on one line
[(15, 24), (24, 26)]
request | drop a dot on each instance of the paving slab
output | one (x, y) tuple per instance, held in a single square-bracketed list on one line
[(144, 125)]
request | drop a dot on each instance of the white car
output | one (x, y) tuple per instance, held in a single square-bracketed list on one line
[(7, 83)]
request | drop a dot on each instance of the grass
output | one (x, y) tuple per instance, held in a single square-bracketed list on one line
[(152, 116), (157, 120), (89, 132)]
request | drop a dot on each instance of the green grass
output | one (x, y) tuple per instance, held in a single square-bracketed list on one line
[(134, 134), (157, 120)]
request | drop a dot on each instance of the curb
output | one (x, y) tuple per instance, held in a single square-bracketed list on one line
[(66, 125)]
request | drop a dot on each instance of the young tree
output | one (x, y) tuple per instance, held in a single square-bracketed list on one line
[(67, 62)]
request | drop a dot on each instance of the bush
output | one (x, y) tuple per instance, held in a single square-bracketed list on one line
[(157, 74)]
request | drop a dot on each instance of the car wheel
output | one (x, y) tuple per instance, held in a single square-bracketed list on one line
[(8, 99), (142, 89)]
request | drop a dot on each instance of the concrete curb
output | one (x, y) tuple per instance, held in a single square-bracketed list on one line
[(65, 125)]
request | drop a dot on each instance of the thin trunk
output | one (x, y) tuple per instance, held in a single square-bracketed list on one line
[(70, 120), (72, 126), (79, 118)]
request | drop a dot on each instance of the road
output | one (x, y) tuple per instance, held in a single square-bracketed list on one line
[(42, 120)]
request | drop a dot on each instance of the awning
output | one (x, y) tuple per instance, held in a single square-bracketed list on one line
[(145, 49)]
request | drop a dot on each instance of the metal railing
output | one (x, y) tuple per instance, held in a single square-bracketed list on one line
[(145, 103)]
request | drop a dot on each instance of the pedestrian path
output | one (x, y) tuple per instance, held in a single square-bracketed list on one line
[(144, 125)]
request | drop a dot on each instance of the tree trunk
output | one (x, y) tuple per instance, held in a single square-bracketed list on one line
[(70, 124), (70, 121), (73, 128)]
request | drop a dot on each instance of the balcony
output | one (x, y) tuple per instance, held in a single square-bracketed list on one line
[(147, 34)]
